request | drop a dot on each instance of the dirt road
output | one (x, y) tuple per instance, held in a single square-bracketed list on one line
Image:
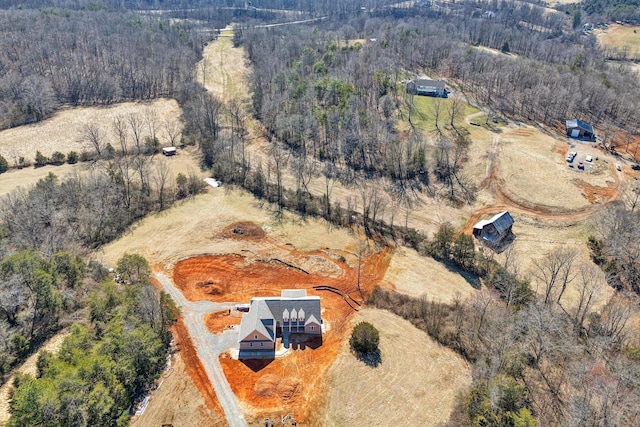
[(209, 346)]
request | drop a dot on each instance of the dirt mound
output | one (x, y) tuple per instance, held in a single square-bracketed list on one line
[(287, 387), (244, 230), (218, 321), (267, 385)]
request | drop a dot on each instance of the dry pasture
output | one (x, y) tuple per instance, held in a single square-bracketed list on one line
[(185, 162), (622, 37), (63, 131), (416, 383), (534, 169), (406, 275), (25, 178), (195, 226)]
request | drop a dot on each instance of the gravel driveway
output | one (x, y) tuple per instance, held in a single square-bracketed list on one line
[(208, 346)]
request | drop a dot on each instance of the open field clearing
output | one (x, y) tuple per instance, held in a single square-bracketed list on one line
[(28, 367), (63, 131), (195, 226), (417, 381), (424, 119), (532, 167), (554, 3), (623, 37), (177, 402), (406, 275), (185, 162), (25, 178), (222, 70)]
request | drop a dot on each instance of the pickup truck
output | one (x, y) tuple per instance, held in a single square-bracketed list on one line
[(572, 155)]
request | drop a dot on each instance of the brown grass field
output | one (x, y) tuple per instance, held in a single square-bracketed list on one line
[(623, 37), (63, 131), (416, 383), (185, 162)]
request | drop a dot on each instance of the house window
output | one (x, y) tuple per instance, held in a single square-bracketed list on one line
[(255, 337), (261, 344), (313, 328), (250, 344)]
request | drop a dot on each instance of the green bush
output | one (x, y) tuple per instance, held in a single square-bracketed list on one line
[(4, 165), (364, 338), (57, 158), (41, 159), (72, 157)]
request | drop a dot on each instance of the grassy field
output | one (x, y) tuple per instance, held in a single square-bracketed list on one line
[(177, 402), (533, 168), (440, 284), (223, 68), (623, 37), (194, 227), (425, 117), (185, 162), (63, 131), (416, 383)]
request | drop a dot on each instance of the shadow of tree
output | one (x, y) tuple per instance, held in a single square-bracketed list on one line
[(372, 359)]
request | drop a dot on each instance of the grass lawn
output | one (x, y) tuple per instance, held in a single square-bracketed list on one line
[(424, 116)]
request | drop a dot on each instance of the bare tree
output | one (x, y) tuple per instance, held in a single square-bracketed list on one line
[(120, 130), (436, 110), (93, 133), (456, 107), (589, 286), (136, 124), (555, 272), (173, 128)]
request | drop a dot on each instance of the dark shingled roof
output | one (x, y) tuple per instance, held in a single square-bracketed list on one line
[(577, 123)]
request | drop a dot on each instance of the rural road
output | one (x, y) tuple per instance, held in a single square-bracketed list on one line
[(208, 346)]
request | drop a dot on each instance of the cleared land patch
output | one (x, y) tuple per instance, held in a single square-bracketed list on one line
[(406, 274), (623, 37), (63, 131), (417, 381), (25, 178), (532, 169)]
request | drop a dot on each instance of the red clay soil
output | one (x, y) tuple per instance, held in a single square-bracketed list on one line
[(293, 383), (244, 230), (595, 194), (218, 321), (195, 368)]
